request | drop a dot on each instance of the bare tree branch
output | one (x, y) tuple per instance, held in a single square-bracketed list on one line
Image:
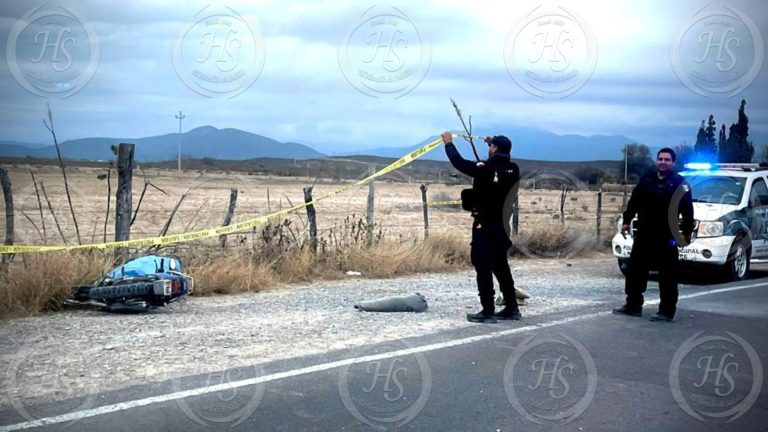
[(39, 206), (467, 129), (34, 225), (50, 207), (63, 171)]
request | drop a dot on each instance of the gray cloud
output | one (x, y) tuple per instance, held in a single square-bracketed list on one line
[(301, 94)]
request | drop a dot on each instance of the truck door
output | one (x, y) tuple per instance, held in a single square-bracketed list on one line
[(758, 203)]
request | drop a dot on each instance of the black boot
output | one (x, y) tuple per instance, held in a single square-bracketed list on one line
[(629, 310), (509, 313), (658, 316), (485, 316)]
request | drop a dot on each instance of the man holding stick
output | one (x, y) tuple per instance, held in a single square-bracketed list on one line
[(494, 187)]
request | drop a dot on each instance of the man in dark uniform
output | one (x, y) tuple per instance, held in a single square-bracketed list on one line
[(494, 187), (658, 200)]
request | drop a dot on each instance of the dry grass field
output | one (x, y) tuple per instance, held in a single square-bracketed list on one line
[(398, 211), (275, 252)]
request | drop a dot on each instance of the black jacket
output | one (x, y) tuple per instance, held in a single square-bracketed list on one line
[(658, 204), (494, 185)]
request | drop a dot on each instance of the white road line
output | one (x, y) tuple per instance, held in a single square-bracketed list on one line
[(122, 406)]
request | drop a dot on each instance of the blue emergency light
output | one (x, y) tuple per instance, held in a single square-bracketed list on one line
[(699, 166)]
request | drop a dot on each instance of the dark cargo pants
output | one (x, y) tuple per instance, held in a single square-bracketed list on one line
[(653, 254), (490, 248)]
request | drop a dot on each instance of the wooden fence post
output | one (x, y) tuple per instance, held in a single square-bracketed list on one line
[(369, 218), (109, 199), (229, 215), (424, 208), (516, 216), (8, 196), (312, 218), (599, 209), (124, 196), (624, 196)]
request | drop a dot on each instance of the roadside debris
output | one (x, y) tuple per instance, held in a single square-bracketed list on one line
[(520, 294), (406, 303), (136, 286)]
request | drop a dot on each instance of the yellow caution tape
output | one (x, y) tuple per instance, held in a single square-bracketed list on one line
[(230, 229), (442, 203)]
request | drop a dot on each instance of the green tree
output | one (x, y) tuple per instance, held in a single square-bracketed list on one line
[(639, 160), (685, 154), (739, 148), (589, 174), (711, 129), (701, 139), (721, 146), (706, 145)]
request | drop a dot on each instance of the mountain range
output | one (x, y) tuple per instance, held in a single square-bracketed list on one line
[(529, 143), (198, 143), (234, 144)]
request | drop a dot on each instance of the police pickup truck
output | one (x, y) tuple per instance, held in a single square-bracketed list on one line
[(730, 208)]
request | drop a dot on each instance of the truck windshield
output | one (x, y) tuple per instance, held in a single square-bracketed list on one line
[(716, 189)]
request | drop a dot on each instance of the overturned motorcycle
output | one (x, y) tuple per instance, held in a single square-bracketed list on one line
[(136, 286)]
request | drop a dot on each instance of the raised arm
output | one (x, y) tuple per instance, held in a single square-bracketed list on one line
[(464, 166)]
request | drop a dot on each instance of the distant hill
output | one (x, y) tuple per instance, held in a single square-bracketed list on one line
[(235, 144), (202, 142), (528, 143)]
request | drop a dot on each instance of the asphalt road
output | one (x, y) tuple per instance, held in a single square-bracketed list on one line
[(582, 370)]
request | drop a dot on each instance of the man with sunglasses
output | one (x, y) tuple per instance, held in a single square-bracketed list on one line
[(494, 188)]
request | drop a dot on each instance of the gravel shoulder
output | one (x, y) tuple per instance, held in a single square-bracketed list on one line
[(77, 353)]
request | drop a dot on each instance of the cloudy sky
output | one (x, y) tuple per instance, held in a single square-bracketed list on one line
[(344, 75)]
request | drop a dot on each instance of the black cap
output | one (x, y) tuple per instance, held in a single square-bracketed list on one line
[(502, 143)]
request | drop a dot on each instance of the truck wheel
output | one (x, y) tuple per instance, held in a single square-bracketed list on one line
[(623, 266), (736, 267)]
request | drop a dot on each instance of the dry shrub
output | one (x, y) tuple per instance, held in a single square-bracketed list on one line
[(565, 241), (36, 283), (227, 275), (256, 270), (299, 265), (436, 253)]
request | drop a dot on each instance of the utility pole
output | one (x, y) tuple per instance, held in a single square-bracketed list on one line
[(626, 151), (181, 117)]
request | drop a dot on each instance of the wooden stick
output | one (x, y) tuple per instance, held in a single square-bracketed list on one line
[(39, 206), (63, 171), (50, 208)]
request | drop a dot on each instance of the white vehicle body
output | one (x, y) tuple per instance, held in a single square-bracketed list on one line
[(730, 210)]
